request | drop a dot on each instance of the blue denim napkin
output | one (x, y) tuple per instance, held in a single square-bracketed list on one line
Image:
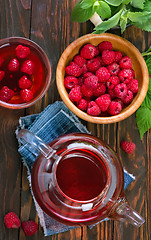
[(54, 121)]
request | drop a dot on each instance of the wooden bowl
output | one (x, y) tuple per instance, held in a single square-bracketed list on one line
[(119, 44)]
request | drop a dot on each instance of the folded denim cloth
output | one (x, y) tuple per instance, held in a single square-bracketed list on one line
[(54, 121)]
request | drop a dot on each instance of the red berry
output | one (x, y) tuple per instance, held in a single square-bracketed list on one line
[(11, 220), (125, 75), (128, 146), (84, 69), (26, 95), (27, 67), (80, 61), (6, 94), (114, 108), (111, 93), (91, 82), (112, 82), (133, 85), (29, 227), (120, 101), (118, 56), (24, 82), (102, 64), (86, 91), (125, 62), (13, 65), (2, 73), (129, 97), (108, 56), (103, 102), (101, 88), (87, 74), (80, 81), (120, 90), (103, 74), (93, 65), (113, 68), (75, 94), (88, 51), (70, 82), (93, 109), (105, 45), (82, 104), (97, 51), (22, 51), (73, 70), (1, 61)]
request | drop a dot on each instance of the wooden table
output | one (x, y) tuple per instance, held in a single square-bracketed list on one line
[(48, 23)]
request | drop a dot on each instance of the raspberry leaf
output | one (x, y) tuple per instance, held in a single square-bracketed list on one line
[(103, 9), (114, 2), (81, 15), (123, 20), (138, 3), (143, 120)]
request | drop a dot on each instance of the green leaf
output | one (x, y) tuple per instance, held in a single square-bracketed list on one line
[(111, 22), (146, 26), (123, 20), (103, 9), (148, 63), (147, 6), (139, 16), (114, 2), (126, 1), (87, 3), (138, 3), (81, 15), (143, 120)]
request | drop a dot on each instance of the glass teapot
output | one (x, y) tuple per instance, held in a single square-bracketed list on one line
[(79, 180)]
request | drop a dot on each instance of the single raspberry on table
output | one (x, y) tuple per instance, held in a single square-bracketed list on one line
[(70, 82), (75, 94), (93, 65), (125, 75), (125, 63), (73, 70), (29, 227), (26, 95), (113, 68), (105, 45), (118, 56), (108, 56), (103, 74), (133, 85), (128, 147), (6, 94), (1, 61), (114, 108), (120, 90), (88, 74), (22, 51), (80, 61), (13, 65), (2, 74), (91, 81), (103, 102), (101, 89), (129, 97), (82, 104), (11, 220), (88, 51), (24, 82), (27, 67), (93, 109), (87, 91), (112, 82)]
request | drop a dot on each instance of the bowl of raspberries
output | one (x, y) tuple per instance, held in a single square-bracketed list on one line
[(102, 78), (25, 72)]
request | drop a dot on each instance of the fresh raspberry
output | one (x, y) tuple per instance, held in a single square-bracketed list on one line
[(75, 94), (128, 146), (6, 94), (108, 56), (97, 51), (112, 82), (101, 89), (70, 82), (102, 64), (80, 61), (91, 82), (103, 74), (111, 93), (93, 65), (118, 56), (29, 227), (82, 104), (86, 91), (1, 61), (13, 65), (125, 75), (22, 51), (129, 97), (73, 70), (133, 85), (113, 68), (120, 101), (114, 108), (11, 220), (26, 95), (105, 45), (120, 90), (87, 74), (80, 81), (125, 63), (24, 82), (2, 74), (133, 73), (103, 102), (88, 51), (84, 69), (27, 67), (93, 109)]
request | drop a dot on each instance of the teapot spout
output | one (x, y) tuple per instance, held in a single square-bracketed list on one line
[(123, 212)]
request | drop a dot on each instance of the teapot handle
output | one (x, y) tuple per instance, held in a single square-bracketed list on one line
[(36, 142)]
